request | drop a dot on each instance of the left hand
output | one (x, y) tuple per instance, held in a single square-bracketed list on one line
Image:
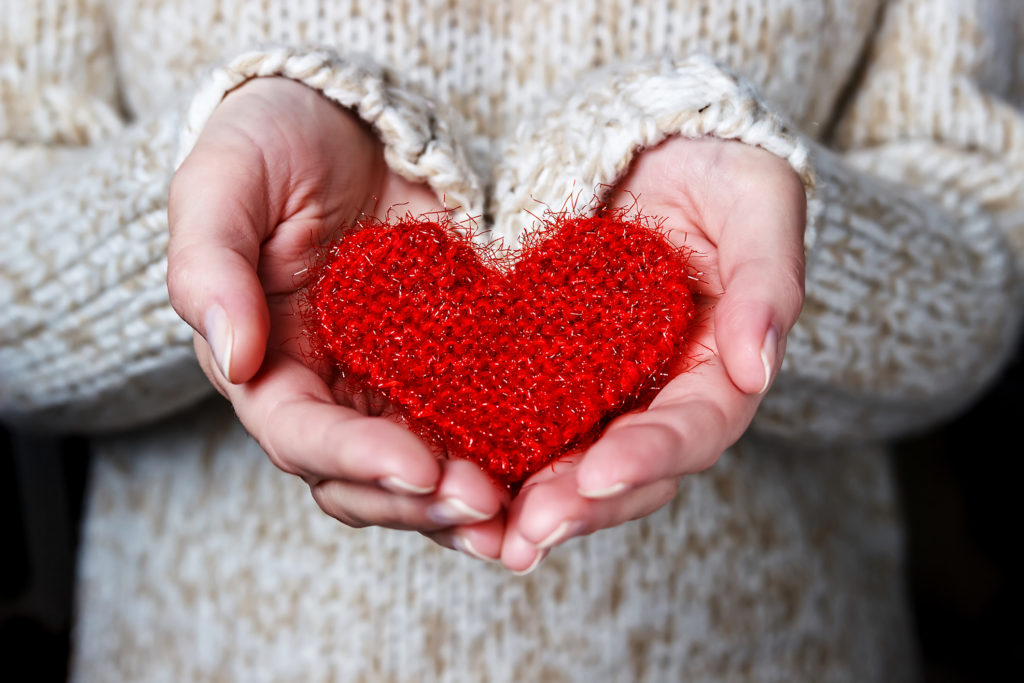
[(741, 210)]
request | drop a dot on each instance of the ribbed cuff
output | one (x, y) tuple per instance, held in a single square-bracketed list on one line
[(586, 143), (418, 138)]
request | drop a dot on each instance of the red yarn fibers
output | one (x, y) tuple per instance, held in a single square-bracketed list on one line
[(507, 362)]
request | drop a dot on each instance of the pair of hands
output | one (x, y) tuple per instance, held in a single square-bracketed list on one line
[(279, 166)]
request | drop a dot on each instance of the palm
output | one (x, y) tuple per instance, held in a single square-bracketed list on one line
[(277, 170), (321, 170), (739, 210)]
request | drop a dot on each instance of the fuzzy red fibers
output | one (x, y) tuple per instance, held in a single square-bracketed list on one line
[(507, 362)]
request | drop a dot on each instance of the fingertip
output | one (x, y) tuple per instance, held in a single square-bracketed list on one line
[(217, 291), (468, 491), (220, 335), (482, 540), (747, 341), (217, 217), (566, 529), (552, 513), (530, 568), (520, 556), (409, 468), (769, 356), (466, 546), (238, 341), (601, 474)]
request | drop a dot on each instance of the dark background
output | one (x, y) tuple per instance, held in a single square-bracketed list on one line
[(959, 500)]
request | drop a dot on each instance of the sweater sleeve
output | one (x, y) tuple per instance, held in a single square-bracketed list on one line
[(419, 137), (914, 239), (58, 89), (914, 292), (88, 339)]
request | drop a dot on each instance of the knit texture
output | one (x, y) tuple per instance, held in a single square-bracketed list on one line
[(419, 143), (201, 562), (204, 563)]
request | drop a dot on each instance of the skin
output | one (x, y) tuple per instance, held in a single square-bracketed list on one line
[(278, 168), (742, 211)]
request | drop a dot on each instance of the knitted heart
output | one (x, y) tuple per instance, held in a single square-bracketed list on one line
[(508, 362)]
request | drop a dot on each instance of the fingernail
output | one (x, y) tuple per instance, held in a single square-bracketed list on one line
[(536, 563), (220, 337), (464, 545), (769, 350), (399, 485), (453, 511), (606, 492), (563, 532)]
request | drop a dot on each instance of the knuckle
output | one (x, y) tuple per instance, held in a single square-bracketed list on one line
[(706, 418), (175, 285), (666, 440), (181, 274), (277, 460), (270, 425), (792, 288), (654, 497)]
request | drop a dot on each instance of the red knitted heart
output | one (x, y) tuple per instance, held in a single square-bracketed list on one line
[(508, 363)]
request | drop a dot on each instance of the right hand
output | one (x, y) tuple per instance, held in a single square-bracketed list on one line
[(276, 170)]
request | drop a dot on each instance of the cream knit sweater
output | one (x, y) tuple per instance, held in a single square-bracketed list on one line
[(202, 562)]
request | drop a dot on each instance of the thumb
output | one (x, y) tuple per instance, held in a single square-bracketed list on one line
[(217, 213), (761, 264)]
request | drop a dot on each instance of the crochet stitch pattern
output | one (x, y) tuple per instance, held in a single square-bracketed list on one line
[(508, 362)]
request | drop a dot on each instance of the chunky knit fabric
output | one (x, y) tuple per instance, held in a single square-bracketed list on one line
[(202, 562)]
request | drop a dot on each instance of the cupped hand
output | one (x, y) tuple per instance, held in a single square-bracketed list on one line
[(277, 169), (741, 210)]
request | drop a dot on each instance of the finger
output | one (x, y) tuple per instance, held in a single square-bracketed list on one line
[(481, 541), (552, 513), (293, 415), (359, 505), (363, 505), (217, 213), (466, 495), (687, 427), (546, 512), (633, 455), (520, 556), (761, 262)]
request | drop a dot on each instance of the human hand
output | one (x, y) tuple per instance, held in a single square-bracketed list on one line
[(741, 210), (276, 170)]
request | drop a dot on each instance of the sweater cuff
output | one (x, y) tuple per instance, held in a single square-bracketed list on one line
[(586, 143), (418, 138)]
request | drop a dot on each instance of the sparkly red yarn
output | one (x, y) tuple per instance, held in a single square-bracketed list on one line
[(508, 361)]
